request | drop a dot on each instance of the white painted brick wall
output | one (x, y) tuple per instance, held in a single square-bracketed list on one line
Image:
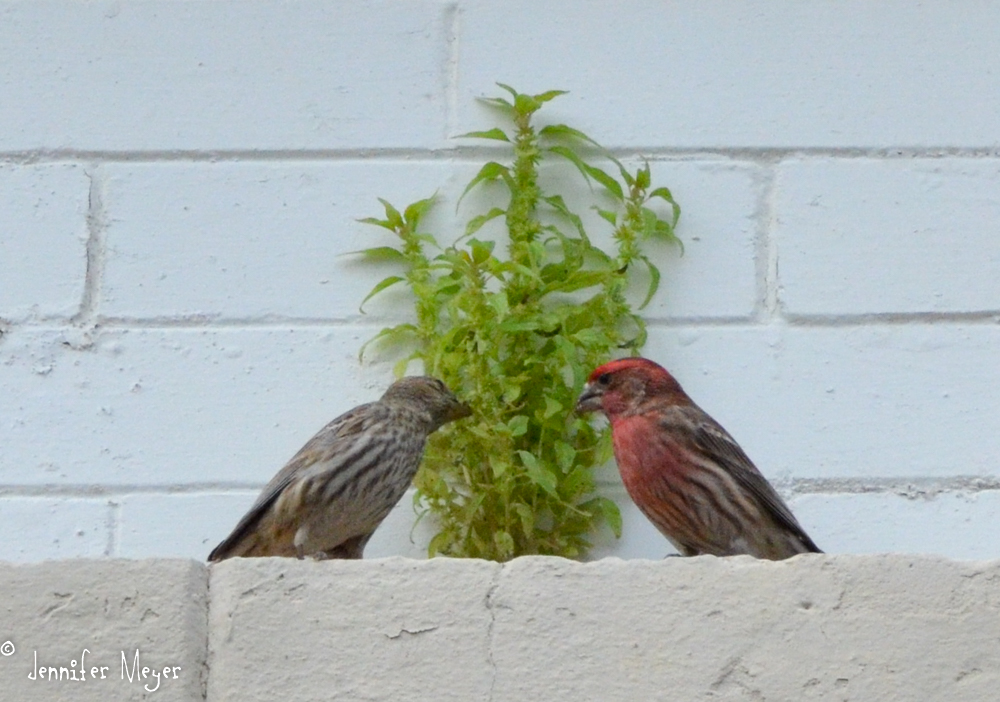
[(178, 182)]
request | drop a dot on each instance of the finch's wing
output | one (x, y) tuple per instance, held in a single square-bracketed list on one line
[(330, 440), (716, 441)]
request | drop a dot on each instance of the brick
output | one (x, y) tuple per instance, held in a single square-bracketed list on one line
[(389, 629), (954, 524), (54, 611), (221, 76), (40, 528), (723, 74), (864, 236), (715, 274), (248, 241), (881, 400), (172, 525), (173, 406), (260, 240), (43, 240)]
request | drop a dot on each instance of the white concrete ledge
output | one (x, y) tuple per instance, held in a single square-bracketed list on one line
[(55, 610), (815, 627)]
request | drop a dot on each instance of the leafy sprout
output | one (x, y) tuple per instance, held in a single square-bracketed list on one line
[(516, 336)]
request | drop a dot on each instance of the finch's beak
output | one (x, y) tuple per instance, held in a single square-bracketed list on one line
[(590, 400), (461, 411)]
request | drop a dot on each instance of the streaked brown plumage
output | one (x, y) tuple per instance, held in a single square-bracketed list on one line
[(329, 499), (684, 471)]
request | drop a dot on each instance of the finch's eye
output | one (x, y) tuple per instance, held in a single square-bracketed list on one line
[(604, 379)]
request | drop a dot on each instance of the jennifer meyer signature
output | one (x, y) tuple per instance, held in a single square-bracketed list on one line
[(85, 668)]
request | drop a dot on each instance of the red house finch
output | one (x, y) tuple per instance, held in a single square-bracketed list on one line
[(684, 471), (329, 499)]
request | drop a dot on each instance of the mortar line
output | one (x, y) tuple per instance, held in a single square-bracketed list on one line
[(904, 486), (90, 302), (199, 322), (453, 16), (117, 491), (361, 322), (892, 318), (475, 153), (900, 486), (766, 254)]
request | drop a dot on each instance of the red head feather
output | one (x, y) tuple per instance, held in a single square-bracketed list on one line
[(620, 387)]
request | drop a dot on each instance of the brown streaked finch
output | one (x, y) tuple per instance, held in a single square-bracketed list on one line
[(684, 471), (332, 495)]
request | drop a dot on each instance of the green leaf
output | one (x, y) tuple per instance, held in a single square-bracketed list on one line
[(667, 196), (384, 223), (626, 176), (495, 133), (504, 543), (654, 281), (527, 517), (497, 102), (439, 543), (379, 254), (608, 216), (498, 465), (382, 285), (490, 171), (498, 302), (580, 280), (565, 455), (399, 369), (649, 220), (561, 130), (389, 334), (392, 215), (518, 425), (537, 473), (413, 213), (548, 95), (481, 250), (511, 392), (551, 407), (526, 104), (591, 338), (609, 183), (511, 326), (609, 510), (642, 177), (513, 93), (559, 205), (476, 223), (663, 193)]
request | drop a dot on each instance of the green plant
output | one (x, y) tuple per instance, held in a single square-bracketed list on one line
[(516, 336)]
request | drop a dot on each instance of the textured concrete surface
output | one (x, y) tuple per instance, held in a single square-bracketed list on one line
[(179, 181), (817, 627), (86, 619), (393, 629)]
